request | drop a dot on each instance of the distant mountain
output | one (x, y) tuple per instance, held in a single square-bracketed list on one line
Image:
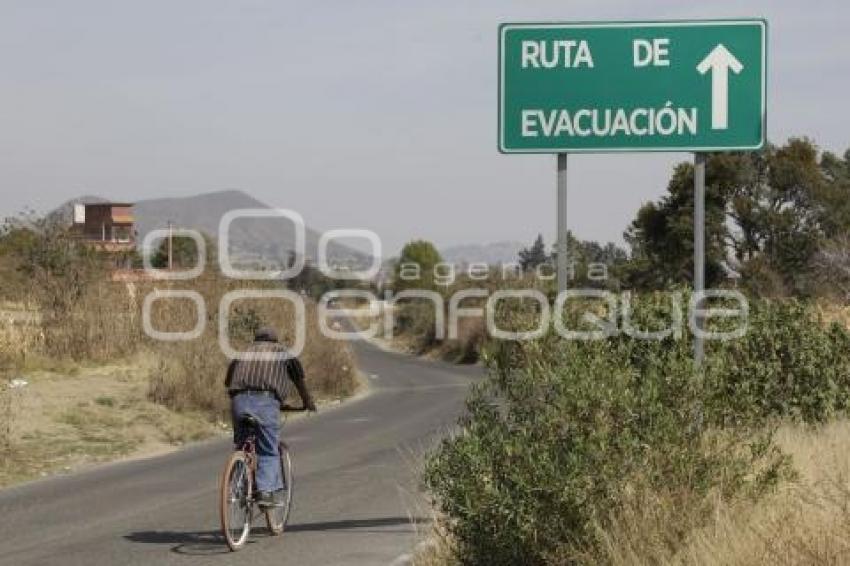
[(260, 240), (495, 253)]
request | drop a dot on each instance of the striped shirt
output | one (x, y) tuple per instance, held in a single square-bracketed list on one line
[(266, 366)]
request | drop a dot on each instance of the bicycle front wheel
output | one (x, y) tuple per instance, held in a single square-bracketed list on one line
[(236, 506), (276, 517)]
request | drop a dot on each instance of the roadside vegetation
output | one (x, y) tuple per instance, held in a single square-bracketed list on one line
[(778, 226), (96, 386), (571, 449), (617, 451)]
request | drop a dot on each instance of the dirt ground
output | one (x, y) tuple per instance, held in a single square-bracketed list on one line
[(64, 419)]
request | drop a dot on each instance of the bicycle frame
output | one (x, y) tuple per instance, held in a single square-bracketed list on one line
[(246, 452), (249, 448)]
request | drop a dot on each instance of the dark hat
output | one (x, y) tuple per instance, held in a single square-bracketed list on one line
[(266, 334)]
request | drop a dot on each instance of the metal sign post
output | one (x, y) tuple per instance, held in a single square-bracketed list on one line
[(699, 246), (562, 222)]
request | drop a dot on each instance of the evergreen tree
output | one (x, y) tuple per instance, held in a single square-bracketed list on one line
[(530, 258), (767, 214)]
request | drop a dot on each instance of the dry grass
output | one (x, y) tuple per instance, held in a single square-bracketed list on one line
[(806, 522), (20, 334), (65, 421), (832, 312), (105, 324), (69, 329), (190, 375), (167, 393), (437, 550)]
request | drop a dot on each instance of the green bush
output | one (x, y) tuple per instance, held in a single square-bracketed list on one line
[(564, 435), (786, 365), (551, 445)]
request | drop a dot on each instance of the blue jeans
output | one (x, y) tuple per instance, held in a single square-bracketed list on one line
[(267, 411)]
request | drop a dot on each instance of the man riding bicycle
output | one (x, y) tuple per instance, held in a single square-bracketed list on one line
[(259, 384)]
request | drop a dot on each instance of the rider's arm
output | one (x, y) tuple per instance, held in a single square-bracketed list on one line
[(305, 395), (230, 370), (296, 373)]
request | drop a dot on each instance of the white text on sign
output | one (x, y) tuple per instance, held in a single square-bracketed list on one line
[(566, 53), (653, 52)]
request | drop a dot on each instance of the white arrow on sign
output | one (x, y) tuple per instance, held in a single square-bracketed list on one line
[(720, 61)]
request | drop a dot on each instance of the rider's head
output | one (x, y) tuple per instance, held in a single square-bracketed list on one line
[(265, 334)]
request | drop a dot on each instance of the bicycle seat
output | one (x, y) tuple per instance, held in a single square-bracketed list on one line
[(249, 421)]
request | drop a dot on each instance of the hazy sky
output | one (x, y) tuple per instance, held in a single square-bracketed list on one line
[(377, 115)]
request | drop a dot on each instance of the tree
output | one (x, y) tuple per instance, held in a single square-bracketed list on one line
[(54, 267), (767, 214), (661, 236), (832, 266), (311, 281), (584, 257), (184, 251), (835, 194), (780, 215), (530, 258), (832, 262), (795, 230), (415, 266)]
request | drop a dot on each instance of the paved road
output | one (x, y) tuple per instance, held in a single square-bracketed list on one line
[(356, 498)]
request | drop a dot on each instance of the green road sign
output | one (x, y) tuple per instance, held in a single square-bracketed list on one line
[(632, 86)]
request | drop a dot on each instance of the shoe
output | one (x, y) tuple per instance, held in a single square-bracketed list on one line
[(266, 499)]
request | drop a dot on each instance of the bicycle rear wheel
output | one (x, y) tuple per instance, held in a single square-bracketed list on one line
[(276, 517), (236, 507)]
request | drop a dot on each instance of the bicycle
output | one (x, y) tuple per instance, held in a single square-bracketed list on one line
[(237, 494)]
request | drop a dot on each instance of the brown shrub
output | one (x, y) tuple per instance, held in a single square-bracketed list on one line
[(471, 336), (190, 375), (105, 324)]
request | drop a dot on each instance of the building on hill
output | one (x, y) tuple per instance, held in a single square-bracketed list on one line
[(107, 226)]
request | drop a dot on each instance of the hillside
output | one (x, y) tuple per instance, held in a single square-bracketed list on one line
[(495, 253)]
